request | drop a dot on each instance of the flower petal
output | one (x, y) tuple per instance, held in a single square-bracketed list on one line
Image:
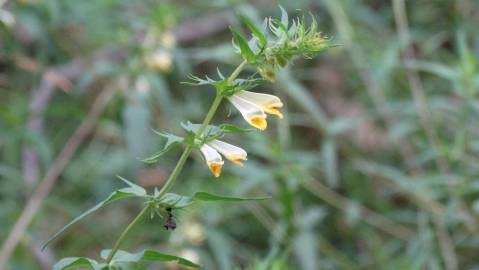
[(213, 159), (233, 153), (252, 113), (268, 103)]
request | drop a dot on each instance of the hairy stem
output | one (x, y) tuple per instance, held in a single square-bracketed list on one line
[(179, 165)]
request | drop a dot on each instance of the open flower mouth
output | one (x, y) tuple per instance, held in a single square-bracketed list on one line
[(237, 160), (274, 110), (215, 168), (258, 122)]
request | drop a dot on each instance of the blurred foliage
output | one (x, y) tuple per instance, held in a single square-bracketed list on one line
[(365, 173)]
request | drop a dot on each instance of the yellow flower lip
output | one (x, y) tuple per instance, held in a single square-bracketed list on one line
[(215, 168), (213, 159), (274, 111), (236, 159), (258, 122)]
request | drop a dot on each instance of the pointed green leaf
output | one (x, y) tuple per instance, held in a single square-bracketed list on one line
[(176, 201), (147, 255), (229, 128), (284, 29), (284, 16), (135, 189), (76, 262), (172, 141), (260, 36), (132, 191), (173, 200), (246, 51)]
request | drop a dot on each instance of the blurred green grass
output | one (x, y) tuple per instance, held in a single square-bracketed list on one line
[(374, 166)]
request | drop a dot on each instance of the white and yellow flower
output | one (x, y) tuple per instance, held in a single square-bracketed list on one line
[(254, 106), (211, 151)]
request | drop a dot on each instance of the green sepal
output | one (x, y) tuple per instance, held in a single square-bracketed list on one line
[(241, 85)]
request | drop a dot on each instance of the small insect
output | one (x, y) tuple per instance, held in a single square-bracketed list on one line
[(170, 223)]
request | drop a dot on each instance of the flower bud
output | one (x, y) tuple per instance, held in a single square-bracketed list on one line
[(160, 60), (168, 40), (267, 71)]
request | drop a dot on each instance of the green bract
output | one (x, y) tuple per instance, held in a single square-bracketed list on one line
[(171, 141), (267, 52), (227, 88)]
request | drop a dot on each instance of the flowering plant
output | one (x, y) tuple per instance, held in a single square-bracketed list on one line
[(266, 52)]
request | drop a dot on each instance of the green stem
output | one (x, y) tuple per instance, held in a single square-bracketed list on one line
[(237, 71), (125, 232), (181, 162), (214, 106)]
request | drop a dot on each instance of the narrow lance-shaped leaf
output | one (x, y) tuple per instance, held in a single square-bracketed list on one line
[(246, 51), (284, 34), (178, 201), (260, 36), (147, 255), (284, 16), (229, 128), (172, 141), (131, 191)]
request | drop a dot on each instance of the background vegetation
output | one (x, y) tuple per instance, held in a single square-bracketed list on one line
[(375, 165)]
